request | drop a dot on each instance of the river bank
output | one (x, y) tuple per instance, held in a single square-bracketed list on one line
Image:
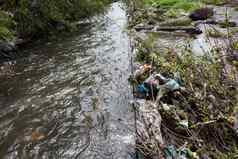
[(197, 114)]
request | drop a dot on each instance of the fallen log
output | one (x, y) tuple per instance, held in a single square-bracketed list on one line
[(189, 30), (140, 28)]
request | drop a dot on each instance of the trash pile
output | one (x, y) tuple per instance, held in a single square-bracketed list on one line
[(169, 124), (155, 86)]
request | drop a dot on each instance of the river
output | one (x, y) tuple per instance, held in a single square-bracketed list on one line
[(70, 97)]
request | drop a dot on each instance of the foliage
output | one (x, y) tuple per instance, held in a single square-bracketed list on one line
[(6, 26), (39, 17)]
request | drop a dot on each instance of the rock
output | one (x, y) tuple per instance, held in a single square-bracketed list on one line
[(35, 4), (19, 43), (7, 47), (205, 156), (2, 2), (58, 25), (234, 56), (201, 14), (7, 50)]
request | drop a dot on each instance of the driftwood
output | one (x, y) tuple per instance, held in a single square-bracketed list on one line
[(189, 30)]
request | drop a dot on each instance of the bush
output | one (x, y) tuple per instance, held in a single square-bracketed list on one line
[(6, 26), (34, 17)]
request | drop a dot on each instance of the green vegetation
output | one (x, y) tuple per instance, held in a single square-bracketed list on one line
[(163, 9), (6, 26), (210, 97), (186, 5), (37, 18)]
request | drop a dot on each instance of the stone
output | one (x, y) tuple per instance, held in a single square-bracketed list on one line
[(7, 50), (201, 14)]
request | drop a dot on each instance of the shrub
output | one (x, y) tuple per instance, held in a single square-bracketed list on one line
[(34, 17), (6, 26)]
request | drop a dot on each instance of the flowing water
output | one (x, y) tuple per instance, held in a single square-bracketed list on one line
[(70, 98)]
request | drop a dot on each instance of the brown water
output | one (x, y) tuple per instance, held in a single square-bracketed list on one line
[(70, 98)]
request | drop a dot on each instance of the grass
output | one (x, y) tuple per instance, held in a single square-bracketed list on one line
[(173, 8), (186, 5)]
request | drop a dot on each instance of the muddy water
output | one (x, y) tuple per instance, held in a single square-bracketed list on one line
[(70, 98)]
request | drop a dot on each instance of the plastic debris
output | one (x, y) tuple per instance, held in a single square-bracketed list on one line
[(149, 87), (156, 85), (172, 85), (143, 90), (177, 78), (171, 152), (184, 123), (166, 107)]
